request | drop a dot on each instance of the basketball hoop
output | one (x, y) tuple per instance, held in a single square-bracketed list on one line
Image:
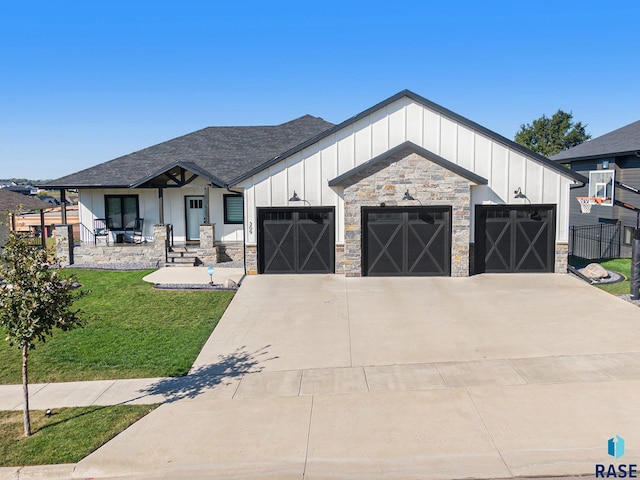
[(585, 204)]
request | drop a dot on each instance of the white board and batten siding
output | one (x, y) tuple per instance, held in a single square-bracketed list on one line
[(92, 206), (309, 170)]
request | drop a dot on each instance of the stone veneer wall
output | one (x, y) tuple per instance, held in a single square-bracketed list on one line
[(230, 252), (64, 247), (139, 256), (386, 181), (562, 257), (251, 259), (206, 251), (118, 257), (340, 258)]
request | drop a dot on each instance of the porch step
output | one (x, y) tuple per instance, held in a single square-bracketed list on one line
[(181, 257)]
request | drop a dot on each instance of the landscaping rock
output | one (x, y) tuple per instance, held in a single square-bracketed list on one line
[(595, 270), (230, 284)]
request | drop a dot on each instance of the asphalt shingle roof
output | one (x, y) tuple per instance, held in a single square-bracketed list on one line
[(223, 152), (620, 141), (12, 201)]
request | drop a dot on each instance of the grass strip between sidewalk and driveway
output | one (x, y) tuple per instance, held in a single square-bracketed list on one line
[(67, 436), (134, 331)]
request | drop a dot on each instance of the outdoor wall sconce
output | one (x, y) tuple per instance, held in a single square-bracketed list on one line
[(518, 194), (409, 197), (296, 198)]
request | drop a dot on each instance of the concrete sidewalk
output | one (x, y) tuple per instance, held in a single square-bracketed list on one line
[(83, 394), (493, 376), (193, 276)]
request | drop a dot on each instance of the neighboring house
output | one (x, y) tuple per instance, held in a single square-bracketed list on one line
[(23, 189), (12, 203), (617, 151), (406, 187), (31, 222)]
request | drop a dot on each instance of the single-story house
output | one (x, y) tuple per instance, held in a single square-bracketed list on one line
[(617, 152), (406, 187)]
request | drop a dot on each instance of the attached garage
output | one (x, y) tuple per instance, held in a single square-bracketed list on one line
[(409, 241), (515, 239), (413, 189), (296, 240)]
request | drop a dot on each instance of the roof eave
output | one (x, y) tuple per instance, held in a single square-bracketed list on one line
[(597, 156), (78, 187)]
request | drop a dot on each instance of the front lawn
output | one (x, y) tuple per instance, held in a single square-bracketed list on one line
[(136, 332), (68, 436)]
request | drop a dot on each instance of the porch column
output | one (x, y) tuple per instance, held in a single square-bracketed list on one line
[(64, 244), (161, 205), (63, 206), (206, 205), (43, 236)]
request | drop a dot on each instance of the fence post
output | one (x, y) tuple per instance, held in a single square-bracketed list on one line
[(600, 242), (635, 266), (573, 239)]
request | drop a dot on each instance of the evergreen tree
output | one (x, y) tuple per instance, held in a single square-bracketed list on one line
[(549, 136)]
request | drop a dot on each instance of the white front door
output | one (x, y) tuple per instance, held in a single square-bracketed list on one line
[(194, 207)]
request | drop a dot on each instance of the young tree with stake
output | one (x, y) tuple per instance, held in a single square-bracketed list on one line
[(34, 300)]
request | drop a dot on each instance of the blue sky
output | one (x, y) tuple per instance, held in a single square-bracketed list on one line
[(85, 82)]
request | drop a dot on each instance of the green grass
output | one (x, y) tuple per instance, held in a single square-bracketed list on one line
[(620, 265), (68, 436), (135, 332)]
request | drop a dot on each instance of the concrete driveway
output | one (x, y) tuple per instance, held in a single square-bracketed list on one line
[(491, 376)]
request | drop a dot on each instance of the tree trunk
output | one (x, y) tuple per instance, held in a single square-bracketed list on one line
[(25, 388)]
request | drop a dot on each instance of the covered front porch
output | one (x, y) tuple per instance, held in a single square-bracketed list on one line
[(177, 216)]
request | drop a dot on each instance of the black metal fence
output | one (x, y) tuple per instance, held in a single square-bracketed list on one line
[(595, 241)]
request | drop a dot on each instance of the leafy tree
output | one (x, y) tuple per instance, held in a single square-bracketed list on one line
[(34, 301), (549, 136)]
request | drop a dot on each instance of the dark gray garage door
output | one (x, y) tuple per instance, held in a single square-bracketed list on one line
[(414, 241), (296, 240), (513, 239)]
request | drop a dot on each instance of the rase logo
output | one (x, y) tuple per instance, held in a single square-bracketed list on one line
[(615, 448)]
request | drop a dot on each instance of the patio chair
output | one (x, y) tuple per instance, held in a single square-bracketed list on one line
[(100, 229), (136, 236)]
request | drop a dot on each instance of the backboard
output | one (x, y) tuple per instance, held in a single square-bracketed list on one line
[(602, 187)]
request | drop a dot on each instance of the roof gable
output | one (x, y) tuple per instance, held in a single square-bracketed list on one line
[(463, 172), (434, 107), (625, 140), (175, 175)]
